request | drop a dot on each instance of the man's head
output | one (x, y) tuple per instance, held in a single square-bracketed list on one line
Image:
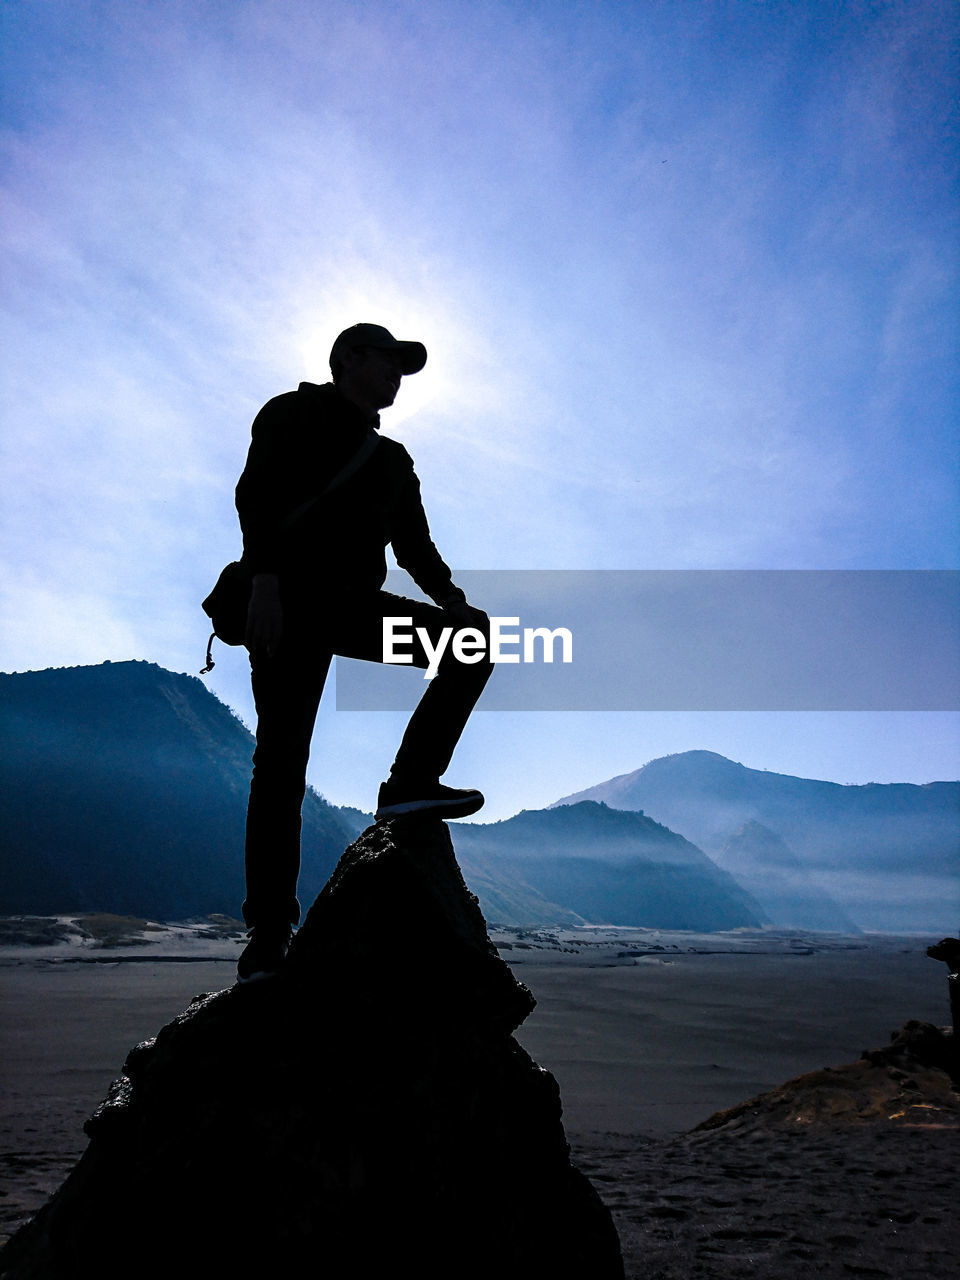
[(367, 363), (361, 338)]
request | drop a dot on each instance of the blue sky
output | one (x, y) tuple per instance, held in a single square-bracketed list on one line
[(687, 274)]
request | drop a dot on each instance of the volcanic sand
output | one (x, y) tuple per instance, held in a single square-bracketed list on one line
[(644, 1047)]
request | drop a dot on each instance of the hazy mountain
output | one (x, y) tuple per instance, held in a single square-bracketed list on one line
[(885, 853), (123, 788), (770, 871), (609, 867)]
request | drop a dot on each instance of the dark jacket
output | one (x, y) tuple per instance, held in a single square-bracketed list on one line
[(300, 441)]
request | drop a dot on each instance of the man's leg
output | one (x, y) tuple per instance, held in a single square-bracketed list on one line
[(439, 719), (441, 715), (286, 691)]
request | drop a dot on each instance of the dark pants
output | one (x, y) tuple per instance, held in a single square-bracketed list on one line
[(286, 691)]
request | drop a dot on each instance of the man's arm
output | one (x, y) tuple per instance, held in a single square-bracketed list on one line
[(261, 496), (259, 500), (416, 553), (413, 546)]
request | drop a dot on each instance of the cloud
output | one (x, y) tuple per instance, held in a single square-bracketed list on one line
[(685, 275), (63, 624)]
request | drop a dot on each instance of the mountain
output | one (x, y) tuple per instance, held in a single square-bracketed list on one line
[(770, 871), (886, 854), (123, 788), (608, 867)]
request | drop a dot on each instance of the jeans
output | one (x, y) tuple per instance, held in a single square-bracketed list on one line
[(286, 691)]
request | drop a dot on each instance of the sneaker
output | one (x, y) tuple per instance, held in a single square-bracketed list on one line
[(264, 954), (432, 798)]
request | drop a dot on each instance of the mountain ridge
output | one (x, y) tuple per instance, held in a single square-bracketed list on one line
[(123, 788), (884, 853), (615, 866)]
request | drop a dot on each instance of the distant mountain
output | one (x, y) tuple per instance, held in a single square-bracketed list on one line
[(886, 854), (123, 788), (774, 875), (608, 867)]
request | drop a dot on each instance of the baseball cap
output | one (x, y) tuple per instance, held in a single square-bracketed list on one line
[(374, 335)]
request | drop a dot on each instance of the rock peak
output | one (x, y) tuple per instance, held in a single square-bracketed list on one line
[(358, 1115)]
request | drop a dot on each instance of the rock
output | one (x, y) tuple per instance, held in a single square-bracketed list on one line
[(907, 1084), (368, 1112), (948, 950), (919, 1045)]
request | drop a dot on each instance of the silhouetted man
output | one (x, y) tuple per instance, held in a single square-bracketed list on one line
[(320, 497)]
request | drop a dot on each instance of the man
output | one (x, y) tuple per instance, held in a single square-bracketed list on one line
[(320, 497)]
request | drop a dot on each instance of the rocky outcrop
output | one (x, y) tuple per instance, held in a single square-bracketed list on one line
[(948, 950), (368, 1112), (907, 1083)]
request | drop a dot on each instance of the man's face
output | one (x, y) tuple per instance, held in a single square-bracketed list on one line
[(375, 374)]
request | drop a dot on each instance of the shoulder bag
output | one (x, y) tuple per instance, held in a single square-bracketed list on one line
[(226, 605)]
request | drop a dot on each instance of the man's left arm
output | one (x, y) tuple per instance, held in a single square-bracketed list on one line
[(416, 553)]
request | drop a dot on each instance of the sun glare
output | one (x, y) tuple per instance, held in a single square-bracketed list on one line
[(451, 371), (416, 393)]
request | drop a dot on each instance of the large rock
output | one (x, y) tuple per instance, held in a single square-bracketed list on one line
[(366, 1113)]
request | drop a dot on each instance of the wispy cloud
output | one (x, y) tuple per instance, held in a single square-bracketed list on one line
[(685, 274)]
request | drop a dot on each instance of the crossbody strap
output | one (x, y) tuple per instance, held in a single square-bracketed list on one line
[(370, 442)]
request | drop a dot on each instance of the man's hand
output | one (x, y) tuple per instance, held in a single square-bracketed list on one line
[(465, 615), (264, 614)]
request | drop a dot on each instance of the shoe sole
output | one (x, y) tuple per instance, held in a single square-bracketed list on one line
[(436, 808)]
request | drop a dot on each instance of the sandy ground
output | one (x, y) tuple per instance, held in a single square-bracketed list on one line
[(647, 1034)]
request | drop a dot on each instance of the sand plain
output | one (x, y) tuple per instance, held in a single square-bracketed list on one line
[(647, 1034)]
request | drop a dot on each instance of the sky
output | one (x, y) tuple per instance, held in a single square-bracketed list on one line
[(686, 273)]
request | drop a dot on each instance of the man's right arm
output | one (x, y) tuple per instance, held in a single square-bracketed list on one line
[(259, 500), (261, 489)]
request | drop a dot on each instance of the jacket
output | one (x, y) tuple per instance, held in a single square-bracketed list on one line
[(300, 441)]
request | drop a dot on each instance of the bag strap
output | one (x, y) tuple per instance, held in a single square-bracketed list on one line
[(370, 442), (210, 662)]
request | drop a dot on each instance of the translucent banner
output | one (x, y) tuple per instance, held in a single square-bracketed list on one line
[(697, 640)]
